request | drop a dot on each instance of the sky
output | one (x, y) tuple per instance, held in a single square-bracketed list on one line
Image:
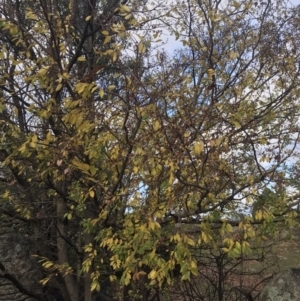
[(173, 44)]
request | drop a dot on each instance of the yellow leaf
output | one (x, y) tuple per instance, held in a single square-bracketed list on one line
[(236, 124), (177, 237), (128, 16), (127, 278), (152, 225), (43, 71), (233, 55), (101, 93), (73, 104), (152, 274), (107, 40), (198, 147), (237, 245), (31, 16), (229, 228), (250, 179), (34, 138), (33, 142), (88, 248), (95, 286), (141, 48), (88, 18), (236, 4), (124, 8), (115, 56), (111, 87), (58, 88), (105, 32), (186, 275), (92, 193), (80, 87), (112, 278), (206, 238), (259, 215), (45, 281), (157, 225), (81, 59), (93, 170), (78, 121), (156, 125), (141, 273), (211, 73), (47, 264), (191, 242), (80, 165), (193, 264)]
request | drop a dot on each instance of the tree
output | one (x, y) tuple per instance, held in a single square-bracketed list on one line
[(109, 146), (225, 278)]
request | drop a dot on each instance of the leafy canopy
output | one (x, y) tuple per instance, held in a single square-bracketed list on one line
[(135, 156)]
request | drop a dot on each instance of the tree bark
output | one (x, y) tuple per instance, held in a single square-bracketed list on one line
[(62, 251), (88, 238)]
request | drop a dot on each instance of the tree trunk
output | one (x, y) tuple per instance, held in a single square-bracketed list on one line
[(62, 251), (88, 239)]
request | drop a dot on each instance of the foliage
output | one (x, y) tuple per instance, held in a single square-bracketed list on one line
[(113, 152), (222, 277)]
